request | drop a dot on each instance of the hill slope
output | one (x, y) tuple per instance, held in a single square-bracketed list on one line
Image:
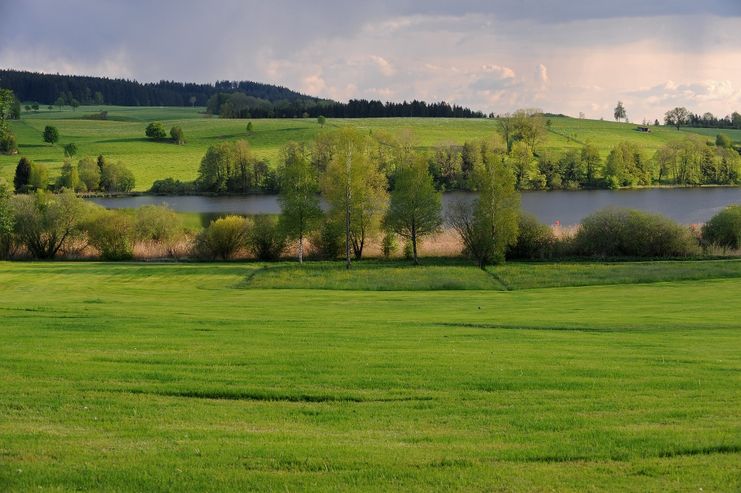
[(121, 137)]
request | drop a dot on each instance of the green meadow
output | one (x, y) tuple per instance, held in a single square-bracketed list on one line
[(121, 136), (265, 377)]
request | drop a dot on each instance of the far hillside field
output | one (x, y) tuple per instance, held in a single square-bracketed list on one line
[(121, 136)]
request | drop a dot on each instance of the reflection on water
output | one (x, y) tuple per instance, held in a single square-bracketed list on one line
[(686, 205)]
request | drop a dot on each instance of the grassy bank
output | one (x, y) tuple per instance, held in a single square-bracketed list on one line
[(121, 137), (154, 377)]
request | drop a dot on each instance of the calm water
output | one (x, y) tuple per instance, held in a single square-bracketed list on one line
[(686, 205)]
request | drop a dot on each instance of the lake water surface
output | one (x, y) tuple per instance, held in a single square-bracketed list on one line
[(685, 205)]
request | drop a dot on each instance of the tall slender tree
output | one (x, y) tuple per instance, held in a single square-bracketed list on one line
[(299, 194), (355, 189), (415, 206)]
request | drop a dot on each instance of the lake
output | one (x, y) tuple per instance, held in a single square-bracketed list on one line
[(685, 205)]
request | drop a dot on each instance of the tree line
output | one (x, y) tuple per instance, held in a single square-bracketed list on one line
[(43, 225), (231, 167), (230, 99), (88, 175), (241, 105)]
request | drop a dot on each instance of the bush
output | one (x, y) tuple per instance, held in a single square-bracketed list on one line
[(46, 223), (170, 186), (112, 233), (328, 242), (534, 239), (223, 238), (615, 232), (158, 223), (722, 140), (177, 135), (8, 143), (51, 134), (116, 177), (390, 244), (266, 240), (724, 228), (156, 131), (89, 173), (7, 221), (70, 149)]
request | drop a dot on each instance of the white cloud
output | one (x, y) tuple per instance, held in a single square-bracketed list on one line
[(383, 65)]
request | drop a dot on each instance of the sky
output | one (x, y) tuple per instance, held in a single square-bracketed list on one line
[(563, 56)]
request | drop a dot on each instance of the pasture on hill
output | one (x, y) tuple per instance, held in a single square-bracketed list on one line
[(121, 136), (204, 377)]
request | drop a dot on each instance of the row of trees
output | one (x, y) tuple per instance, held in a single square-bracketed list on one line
[(355, 189), (44, 225), (156, 131), (241, 105), (55, 89), (231, 167), (231, 99), (89, 175)]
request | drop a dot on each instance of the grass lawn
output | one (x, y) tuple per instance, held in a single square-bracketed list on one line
[(196, 377), (121, 137)]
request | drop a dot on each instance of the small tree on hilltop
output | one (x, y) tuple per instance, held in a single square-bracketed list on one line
[(249, 127), (321, 120), (51, 134), (677, 117), (415, 206), (620, 112), (75, 104)]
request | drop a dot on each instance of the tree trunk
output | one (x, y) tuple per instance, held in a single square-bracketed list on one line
[(301, 249), (414, 249)]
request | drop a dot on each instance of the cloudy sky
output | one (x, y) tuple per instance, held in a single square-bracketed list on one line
[(566, 56)]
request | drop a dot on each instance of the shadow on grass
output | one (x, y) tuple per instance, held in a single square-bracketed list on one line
[(270, 396)]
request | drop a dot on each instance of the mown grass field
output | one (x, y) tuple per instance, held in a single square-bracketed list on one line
[(121, 137), (201, 377)]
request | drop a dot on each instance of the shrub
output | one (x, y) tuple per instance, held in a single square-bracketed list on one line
[(158, 223), (328, 241), (46, 223), (7, 221), (156, 131), (116, 177), (51, 134), (8, 143), (177, 135), (223, 238), (722, 140), (724, 228), (70, 149), (89, 173), (112, 233), (39, 177), (390, 244), (170, 186), (615, 232), (266, 240), (70, 177), (534, 239)]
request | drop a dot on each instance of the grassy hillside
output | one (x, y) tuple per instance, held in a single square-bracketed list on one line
[(134, 377), (122, 136)]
